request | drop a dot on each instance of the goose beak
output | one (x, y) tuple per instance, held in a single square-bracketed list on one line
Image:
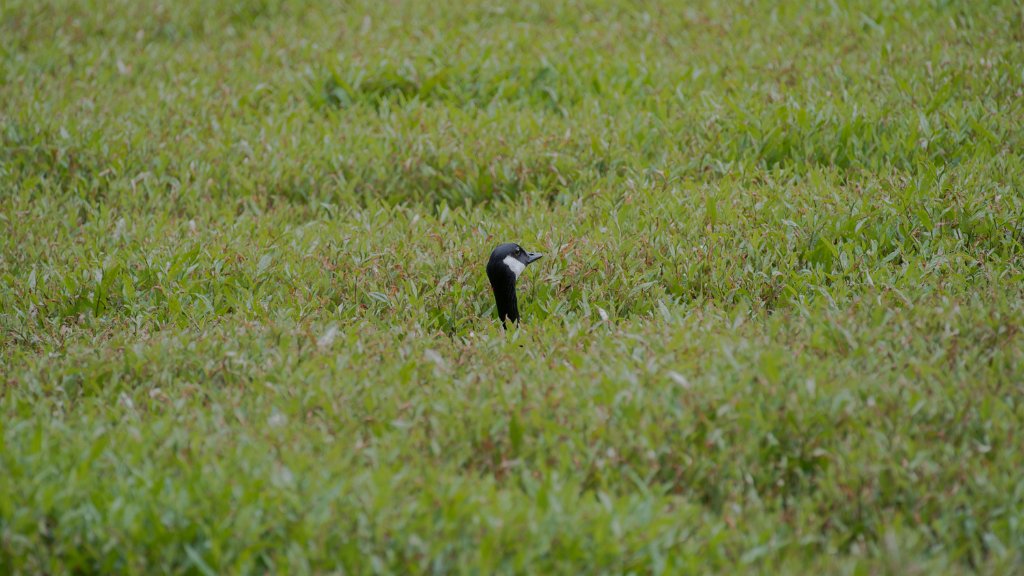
[(533, 257)]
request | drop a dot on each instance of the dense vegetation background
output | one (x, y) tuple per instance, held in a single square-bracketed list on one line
[(244, 324)]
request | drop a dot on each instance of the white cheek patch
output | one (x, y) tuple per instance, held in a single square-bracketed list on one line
[(514, 265)]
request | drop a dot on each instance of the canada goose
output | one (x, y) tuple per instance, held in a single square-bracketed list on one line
[(503, 269)]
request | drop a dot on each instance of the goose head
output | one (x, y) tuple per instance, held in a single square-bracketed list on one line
[(507, 262)]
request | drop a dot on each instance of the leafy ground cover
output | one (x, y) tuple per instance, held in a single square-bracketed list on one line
[(245, 326)]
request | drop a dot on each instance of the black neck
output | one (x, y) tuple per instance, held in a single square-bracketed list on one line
[(504, 286)]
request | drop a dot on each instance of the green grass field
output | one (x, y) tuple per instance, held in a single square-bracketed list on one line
[(245, 325)]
